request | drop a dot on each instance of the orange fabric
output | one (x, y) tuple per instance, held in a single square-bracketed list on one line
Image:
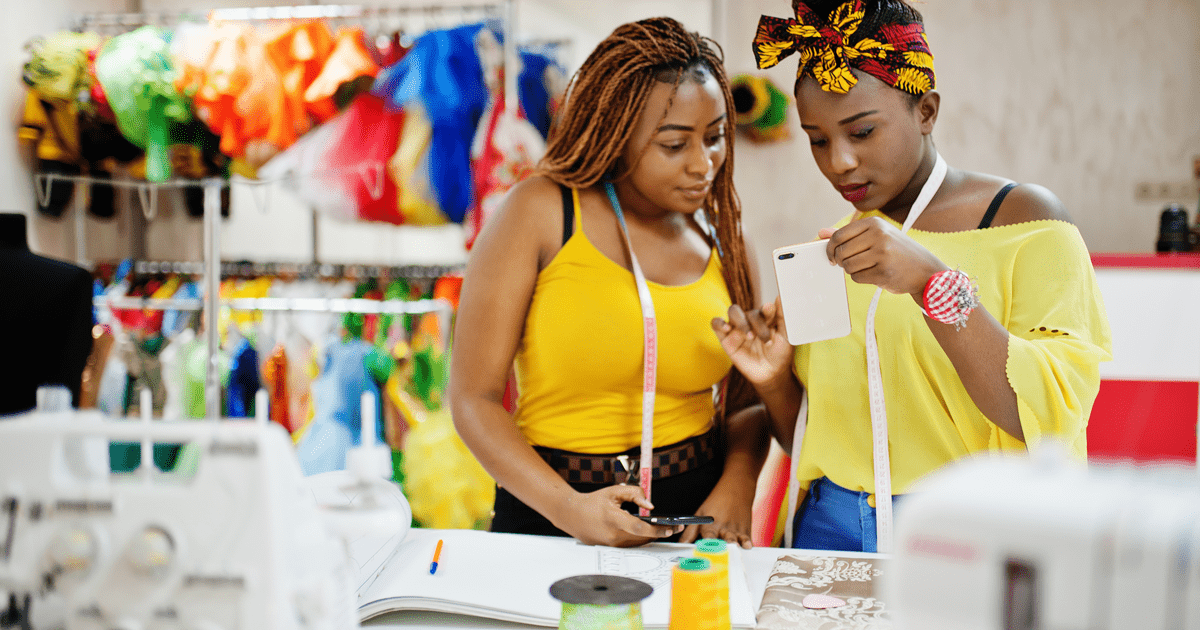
[(275, 373), (348, 61), (299, 52)]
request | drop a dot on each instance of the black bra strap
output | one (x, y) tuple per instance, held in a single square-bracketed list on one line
[(995, 206), (568, 213)]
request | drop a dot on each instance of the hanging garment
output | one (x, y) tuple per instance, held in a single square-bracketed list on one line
[(141, 357), (540, 84), (349, 369), (349, 60), (443, 71), (303, 169), (58, 68), (110, 397), (243, 381), (299, 52), (53, 130), (370, 134), (275, 376), (409, 168), (138, 77), (504, 154), (173, 373), (194, 359), (93, 371), (445, 484), (175, 322)]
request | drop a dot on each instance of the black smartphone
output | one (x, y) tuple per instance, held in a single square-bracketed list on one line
[(671, 521)]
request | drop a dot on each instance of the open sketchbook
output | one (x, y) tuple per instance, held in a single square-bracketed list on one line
[(508, 576)]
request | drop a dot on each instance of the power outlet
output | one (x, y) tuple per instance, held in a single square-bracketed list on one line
[(1178, 191)]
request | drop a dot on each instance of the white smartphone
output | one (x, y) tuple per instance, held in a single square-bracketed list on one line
[(812, 292)]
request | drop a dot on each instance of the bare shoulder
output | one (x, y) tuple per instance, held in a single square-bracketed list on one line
[(529, 218), (1031, 202), (533, 201)]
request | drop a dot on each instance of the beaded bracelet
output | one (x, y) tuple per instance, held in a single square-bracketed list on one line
[(949, 297)]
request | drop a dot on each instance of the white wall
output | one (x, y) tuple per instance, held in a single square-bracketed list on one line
[(22, 21)]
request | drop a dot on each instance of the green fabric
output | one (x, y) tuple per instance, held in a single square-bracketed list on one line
[(138, 77)]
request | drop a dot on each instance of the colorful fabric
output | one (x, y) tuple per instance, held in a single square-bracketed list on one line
[(138, 76), (444, 73), (901, 57), (243, 381)]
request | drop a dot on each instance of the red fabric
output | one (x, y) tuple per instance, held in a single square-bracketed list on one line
[(361, 155), (1144, 420)]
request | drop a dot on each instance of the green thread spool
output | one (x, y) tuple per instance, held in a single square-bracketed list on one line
[(600, 602)]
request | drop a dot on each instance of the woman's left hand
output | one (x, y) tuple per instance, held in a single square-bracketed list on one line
[(874, 251), (731, 514)]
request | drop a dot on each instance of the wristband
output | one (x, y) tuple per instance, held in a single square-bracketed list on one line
[(949, 298)]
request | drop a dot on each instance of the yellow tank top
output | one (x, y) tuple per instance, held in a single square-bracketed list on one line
[(579, 364)]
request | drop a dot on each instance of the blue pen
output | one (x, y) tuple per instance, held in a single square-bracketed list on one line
[(436, 554)]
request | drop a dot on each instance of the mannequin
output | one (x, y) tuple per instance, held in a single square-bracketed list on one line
[(45, 319)]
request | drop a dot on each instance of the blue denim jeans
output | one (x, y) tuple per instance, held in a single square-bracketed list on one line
[(836, 519)]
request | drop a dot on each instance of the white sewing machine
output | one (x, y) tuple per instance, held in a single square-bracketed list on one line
[(235, 543), (1044, 543)]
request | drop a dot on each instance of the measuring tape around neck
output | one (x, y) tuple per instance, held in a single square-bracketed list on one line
[(879, 425), (649, 356)]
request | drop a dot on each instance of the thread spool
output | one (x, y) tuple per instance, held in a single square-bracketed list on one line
[(697, 602), (600, 602), (717, 552)]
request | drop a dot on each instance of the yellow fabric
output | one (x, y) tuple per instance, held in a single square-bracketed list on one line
[(36, 127), (1037, 280), (579, 365), (416, 200)]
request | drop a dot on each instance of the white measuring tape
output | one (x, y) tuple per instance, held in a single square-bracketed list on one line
[(879, 425), (649, 356), (879, 429)]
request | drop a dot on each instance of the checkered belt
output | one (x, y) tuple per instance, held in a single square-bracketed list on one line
[(667, 461)]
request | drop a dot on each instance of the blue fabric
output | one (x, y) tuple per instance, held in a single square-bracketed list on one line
[(534, 95), (243, 381), (174, 322), (337, 416), (836, 519), (443, 70)]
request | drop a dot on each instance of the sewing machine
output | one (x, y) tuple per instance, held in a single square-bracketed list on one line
[(1046, 543), (231, 539)]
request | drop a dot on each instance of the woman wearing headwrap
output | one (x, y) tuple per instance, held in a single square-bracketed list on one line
[(981, 327)]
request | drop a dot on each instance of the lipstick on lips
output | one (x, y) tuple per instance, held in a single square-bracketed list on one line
[(853, 193)]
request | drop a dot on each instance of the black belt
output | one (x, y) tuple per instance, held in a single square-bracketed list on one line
[(667, 461)]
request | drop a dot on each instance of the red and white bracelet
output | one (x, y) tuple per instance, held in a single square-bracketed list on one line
[(949, 297)]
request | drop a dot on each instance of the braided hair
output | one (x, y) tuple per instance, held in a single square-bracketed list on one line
[(605, 98)]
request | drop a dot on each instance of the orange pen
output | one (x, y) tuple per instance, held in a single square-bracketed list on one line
[(437, 553)]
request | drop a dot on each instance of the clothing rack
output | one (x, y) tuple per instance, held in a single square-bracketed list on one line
[(505, 10), (304, 270), (316, 305)]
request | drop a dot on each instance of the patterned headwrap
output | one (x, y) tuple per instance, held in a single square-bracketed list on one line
[(900, 57)]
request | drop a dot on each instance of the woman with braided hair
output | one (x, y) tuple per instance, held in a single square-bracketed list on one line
[(597, 280), (977, 325)]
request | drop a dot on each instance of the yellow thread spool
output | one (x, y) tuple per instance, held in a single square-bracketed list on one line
[(696, 602), (717, 552)]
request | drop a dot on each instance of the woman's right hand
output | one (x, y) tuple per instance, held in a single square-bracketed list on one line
[(596, 518), (756, 342)]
